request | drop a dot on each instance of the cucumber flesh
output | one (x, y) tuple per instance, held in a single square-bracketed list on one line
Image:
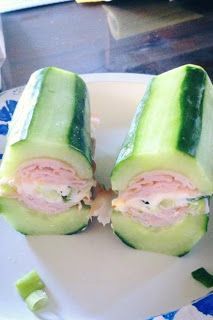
[(176, 240), (30, 222)]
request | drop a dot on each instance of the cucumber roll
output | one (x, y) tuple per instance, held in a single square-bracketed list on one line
[(163, 176), (46, 175)]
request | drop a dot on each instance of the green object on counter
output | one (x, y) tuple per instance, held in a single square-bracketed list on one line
[(30, 287), (204, 277), (29, 283), (37, 300)]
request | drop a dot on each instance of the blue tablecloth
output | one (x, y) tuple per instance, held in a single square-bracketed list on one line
[(201, 309)]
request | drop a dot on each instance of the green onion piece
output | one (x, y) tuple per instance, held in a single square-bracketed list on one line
[(29, 283), (204, 277), (37, 300)]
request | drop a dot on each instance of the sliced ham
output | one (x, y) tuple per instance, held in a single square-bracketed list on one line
[(157, 198), (50, 186)]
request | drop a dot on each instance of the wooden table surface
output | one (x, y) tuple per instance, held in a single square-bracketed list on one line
[(122, 36)]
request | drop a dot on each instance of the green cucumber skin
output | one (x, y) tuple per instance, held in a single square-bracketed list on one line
[(192, 88), (183, 254), (191, 103), (203, 276), (127, 149), (127, 243), (81, 229), (19, 131), (78, 134)]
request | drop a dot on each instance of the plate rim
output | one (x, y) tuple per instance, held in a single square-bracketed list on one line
[(102, 77), (116, 77)]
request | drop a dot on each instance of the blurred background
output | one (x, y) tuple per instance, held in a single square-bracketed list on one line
[(142, 36)]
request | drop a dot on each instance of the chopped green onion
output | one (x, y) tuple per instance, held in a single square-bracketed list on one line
[(37, 300), (29, 283), (204, 277), (30, 289)]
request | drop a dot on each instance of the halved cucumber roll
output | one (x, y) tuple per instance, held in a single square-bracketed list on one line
[(46, 175), (163, 176)]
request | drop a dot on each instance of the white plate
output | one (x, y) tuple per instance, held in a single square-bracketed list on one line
[(92, 275)]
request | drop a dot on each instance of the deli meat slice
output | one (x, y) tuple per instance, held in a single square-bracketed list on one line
[(157, 198), (50, 186)]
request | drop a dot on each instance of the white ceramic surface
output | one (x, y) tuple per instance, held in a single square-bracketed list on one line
[(92, 275)]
